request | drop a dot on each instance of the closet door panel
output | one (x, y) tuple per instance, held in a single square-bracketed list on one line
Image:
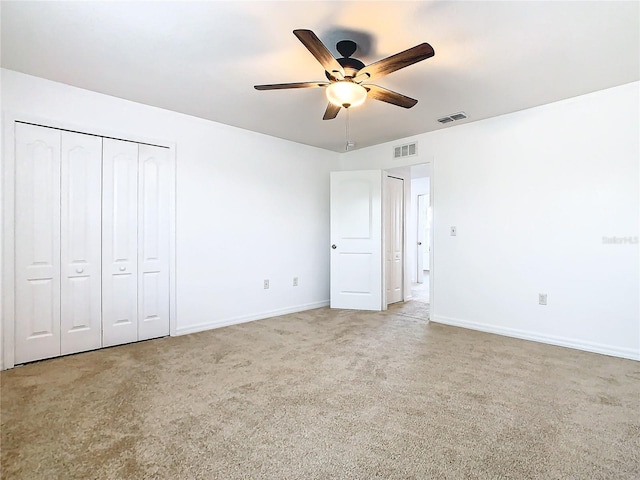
[(81, 205), (120, 242), (37, 243), (153, 237)]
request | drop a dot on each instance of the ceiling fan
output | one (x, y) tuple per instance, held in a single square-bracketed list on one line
[(348, 78)]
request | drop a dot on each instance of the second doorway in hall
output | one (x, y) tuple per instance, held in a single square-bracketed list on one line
[(420, 223)]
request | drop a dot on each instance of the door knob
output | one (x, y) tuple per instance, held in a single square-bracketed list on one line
[(419, 243), (334, 246), (79, 270), (122, 269)]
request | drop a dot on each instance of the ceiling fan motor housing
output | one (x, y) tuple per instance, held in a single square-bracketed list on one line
[(351, 66)]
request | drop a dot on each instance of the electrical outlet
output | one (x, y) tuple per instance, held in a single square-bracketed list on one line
[(542, 298), (295, 281), (266, 284), (453, 231)]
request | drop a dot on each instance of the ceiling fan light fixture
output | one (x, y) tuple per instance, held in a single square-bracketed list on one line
[(346, 94)]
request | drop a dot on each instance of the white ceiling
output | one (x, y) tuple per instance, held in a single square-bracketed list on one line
[(203, 58)]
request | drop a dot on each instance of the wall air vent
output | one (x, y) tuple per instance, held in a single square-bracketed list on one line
[(453, 117), (408, 150)]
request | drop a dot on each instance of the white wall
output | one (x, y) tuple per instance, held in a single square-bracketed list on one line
[(249, 207), (532, 194)]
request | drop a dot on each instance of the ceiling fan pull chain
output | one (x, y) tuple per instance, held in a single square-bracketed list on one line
[(349, 145), (347, 126), (346, 146)]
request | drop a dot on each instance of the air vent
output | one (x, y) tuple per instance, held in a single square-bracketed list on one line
[(408, 150), (453, 117), (459, 116), (445, 119)]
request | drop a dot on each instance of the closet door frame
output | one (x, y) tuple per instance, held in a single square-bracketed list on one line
[(7, 216)]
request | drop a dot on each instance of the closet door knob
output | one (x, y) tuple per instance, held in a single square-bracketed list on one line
[(79, 270), (122, 269), (334, 246)]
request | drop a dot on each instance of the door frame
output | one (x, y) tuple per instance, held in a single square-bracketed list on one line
[(7, 216), (404, 172)]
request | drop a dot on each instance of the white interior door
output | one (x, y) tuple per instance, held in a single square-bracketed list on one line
[(394, 239), (37, 243), (81, 243), (119, 242), (356, 240), (153, 241), (421, 227)]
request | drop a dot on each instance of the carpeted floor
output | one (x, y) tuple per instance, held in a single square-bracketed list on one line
[(325, 394)]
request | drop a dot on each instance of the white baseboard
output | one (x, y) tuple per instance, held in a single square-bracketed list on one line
[(536, 337), (225, 322)]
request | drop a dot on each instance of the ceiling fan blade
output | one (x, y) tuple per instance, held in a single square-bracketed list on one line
[(280, 86), (385, 95), (331, 112), (395, 62), (320, 52)]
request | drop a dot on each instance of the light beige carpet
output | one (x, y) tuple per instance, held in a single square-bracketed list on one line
[(325, 395)]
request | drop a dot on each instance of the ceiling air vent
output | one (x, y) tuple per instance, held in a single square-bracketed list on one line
[(453, 117), (408, 150)]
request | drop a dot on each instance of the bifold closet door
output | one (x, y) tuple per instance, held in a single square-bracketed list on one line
[(119, 242), (92, 242), (57, 242), (37, 243), (154, 198), (81, 243)]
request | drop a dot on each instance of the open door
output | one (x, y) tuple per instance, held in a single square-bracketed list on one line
[(356, 240), (394, 239)]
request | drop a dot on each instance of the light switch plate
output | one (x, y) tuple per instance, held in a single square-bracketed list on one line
[(453, 231)]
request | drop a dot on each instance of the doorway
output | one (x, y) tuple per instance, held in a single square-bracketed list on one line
[(373, 240), (420, 229)]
